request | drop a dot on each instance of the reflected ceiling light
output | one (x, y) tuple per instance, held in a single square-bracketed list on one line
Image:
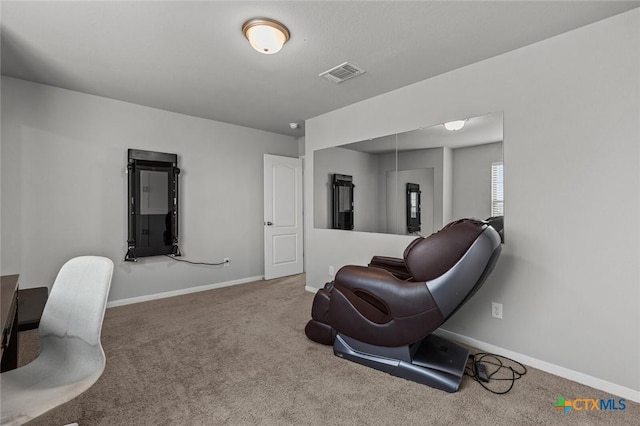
[(265, 35), (454, 125)]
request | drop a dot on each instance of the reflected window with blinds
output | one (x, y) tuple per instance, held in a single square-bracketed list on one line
[(497, 189)]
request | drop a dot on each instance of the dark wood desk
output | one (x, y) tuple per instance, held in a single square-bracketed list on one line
[(9, 316)]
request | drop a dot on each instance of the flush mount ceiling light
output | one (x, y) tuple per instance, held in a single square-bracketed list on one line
[(454, 125), (265, 35)]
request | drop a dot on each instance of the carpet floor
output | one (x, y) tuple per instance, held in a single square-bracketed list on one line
[(238, 356)]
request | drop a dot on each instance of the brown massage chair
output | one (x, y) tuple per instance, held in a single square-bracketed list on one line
[(383, 315)]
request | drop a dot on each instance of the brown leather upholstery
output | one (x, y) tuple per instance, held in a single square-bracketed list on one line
[(318, 329), (320, 332), (395, 265), (373, 305), (428, 258)]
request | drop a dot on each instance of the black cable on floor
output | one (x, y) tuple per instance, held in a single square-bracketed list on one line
[(496, 370)]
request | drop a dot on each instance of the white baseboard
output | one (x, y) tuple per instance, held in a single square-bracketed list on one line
[(180, 292), (565, 373), (311, 289)]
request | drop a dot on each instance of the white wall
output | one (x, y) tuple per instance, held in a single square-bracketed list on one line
[(64, 188), (569, 275)]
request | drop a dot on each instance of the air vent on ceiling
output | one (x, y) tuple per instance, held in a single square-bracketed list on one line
[(342, 72)]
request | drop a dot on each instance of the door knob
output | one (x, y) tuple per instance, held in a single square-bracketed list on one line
[(269, 223)]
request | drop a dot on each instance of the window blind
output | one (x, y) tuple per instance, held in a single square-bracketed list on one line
[(497, 189)]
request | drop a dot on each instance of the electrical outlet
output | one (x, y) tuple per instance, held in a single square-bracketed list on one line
[(331, 271), (226, 261), (496, 310)]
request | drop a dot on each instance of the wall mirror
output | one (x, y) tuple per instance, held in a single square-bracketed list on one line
[(415, 182)]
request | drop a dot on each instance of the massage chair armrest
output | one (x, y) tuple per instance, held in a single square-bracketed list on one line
[(380, 288), (395, 265)]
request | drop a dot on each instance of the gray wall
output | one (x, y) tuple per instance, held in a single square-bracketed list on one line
[(363, 168), (569, 274), (64, 188), (432, 158), (396, 188), (472, 179), (386, 164)]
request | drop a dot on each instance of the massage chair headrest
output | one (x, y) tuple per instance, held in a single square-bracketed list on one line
[(428, 258)]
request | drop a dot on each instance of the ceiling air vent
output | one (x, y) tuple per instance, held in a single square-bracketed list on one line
[(342, 72)]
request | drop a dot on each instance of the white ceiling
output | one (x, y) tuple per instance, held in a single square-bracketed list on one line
[(191, 57)]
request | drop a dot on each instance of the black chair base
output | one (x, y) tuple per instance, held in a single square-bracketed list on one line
[(435, 361)]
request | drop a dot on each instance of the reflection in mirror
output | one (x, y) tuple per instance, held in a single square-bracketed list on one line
[(342, 201), (153, 192), (457, 174), (413, 208), (396, 211), (365, 164)]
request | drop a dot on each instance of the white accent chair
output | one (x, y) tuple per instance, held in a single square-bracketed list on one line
[(71, 357)]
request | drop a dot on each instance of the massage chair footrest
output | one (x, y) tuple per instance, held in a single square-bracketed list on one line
[(435, 361)]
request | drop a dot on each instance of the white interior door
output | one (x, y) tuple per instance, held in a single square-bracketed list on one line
[(282, 216)]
